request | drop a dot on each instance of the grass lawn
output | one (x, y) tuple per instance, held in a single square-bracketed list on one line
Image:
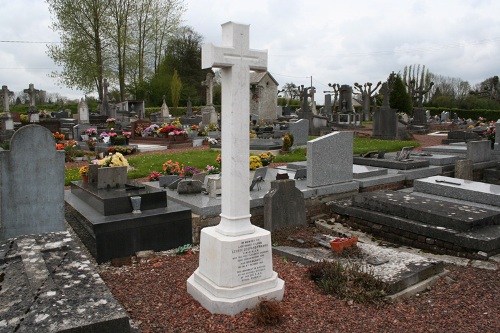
[(143, 165)]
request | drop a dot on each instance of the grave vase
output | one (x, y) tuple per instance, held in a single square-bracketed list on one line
[(85, 179)]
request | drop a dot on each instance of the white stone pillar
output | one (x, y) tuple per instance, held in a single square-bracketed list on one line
[(235, 268)]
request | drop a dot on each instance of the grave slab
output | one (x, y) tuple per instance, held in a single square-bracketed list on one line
[(400, 270), (390, 163), (460, 189), (51, 286)]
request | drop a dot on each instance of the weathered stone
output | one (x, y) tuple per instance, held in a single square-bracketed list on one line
[(284, 205), (189, 187)]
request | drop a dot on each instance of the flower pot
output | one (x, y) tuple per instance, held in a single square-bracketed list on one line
[(338, 244), (85, 179)]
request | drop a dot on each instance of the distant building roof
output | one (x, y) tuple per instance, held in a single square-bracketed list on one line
[(257, 77)]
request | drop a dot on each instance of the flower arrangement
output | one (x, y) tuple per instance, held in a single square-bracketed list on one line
[(211, 141), (189, 171), (212, 170), (113, 160), (91, 144), (103, 135), (212, 127), (24, 118), (253, 135), (176, 123), (155, 175), (127, 134), (287, 142), (138, 130), (195, 127), (124, 150), (59, 146), (173, 168), (84, 170), (58, 136), (153, 128), (111, 122), (218, 159), (255, 162), (267, 158), (490, 132), (91, 131)]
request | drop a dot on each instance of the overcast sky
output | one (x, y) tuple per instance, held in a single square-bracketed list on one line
[(331, 41)]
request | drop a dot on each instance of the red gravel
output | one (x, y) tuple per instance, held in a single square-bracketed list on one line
[(154, 294)]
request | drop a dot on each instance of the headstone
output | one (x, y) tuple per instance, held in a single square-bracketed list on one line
[(345, 98), (189, 108), (300, 131), (284, 206), (279, 111), (328, 106), (83, 112), (385, 119), (105, 101), (235, 266), (479, 151), (165, 113), (286, 111), (330, 159), (31, 184), (497, 137)]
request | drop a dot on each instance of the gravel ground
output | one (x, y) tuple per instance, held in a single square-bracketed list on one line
[(153, 292)]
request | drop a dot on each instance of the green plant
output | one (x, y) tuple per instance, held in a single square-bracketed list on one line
[(287, 142), (268, 312), (351, 281), (120, 140), (184, 249)]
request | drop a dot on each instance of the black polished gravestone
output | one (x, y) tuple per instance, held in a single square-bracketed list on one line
[(104, 221)]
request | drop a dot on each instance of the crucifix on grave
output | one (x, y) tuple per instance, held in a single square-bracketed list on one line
[(235, 267), (7, 121), (208, 113), (32, 112), (105, 101)]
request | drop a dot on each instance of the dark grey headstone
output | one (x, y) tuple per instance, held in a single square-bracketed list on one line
[(31, 184), (284, 205)]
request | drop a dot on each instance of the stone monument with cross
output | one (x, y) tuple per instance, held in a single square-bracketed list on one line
[(32, 112), (235, 266), (385, 119), (209, 115), (7, 121), (83, 111)]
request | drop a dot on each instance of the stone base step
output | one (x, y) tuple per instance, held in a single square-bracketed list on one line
[(422, 235), (429, 211)]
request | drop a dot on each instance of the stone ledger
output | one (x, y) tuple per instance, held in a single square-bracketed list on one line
[(234, 273)]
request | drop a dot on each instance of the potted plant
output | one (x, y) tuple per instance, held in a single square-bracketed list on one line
[(84, 173), (267, 158), (287, 143), (111, 123), (154, 176)]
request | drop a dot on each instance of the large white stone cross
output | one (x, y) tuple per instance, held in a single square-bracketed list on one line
[(235, 59)]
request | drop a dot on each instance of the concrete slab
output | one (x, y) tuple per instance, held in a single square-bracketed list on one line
[(459, 189), (51, 286), (399, 270)]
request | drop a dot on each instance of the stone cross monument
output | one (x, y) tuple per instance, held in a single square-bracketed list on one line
[(209, 83), (235, 267), (33, 113), (7, 121), (105, 101)]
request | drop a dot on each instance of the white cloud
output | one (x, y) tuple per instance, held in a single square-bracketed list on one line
[(332, 41)]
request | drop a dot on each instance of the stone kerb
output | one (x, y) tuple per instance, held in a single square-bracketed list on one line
[(330, 159), (32, 184)]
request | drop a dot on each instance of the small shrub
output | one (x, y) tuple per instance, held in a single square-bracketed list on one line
[(268, 313), (351, 281)]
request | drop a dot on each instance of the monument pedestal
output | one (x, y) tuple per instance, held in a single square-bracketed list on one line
[(235, 272)]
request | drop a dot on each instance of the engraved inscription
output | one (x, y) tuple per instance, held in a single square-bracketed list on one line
[(250, 257)]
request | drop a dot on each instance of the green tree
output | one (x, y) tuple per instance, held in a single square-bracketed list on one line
[(175, 89), (399, 98), (82, 51)]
